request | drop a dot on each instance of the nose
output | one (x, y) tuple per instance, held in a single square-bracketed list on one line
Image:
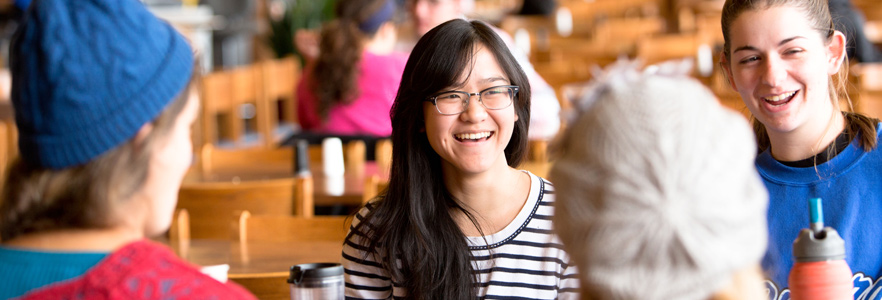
[(774, 73), (475, 112)]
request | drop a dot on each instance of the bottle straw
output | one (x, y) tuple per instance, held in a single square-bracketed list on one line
[(816, 215)]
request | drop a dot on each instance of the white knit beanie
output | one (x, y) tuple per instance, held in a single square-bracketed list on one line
[(657, 193)]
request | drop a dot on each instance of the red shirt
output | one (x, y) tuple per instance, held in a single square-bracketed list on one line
[(141, 270)]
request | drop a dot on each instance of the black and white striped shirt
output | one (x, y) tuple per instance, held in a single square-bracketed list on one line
[(525, 260)]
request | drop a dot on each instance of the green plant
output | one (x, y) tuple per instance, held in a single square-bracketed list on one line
[(287, 16)]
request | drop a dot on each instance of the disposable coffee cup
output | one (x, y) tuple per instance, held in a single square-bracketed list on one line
[(316, 281), (332, 156)]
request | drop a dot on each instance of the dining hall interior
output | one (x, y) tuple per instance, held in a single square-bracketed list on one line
[(264, 193)]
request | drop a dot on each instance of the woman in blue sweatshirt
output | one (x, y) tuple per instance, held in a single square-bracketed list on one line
[(787, 61)]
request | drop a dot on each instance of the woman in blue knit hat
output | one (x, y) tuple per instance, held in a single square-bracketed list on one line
[(103, 104)]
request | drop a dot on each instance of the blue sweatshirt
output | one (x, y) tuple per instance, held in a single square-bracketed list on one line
[(850, 186)]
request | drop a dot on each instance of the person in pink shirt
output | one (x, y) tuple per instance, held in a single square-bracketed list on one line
[(350, 87)]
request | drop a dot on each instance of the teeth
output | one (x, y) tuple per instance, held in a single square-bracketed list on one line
[(472, 136), (780, 97)]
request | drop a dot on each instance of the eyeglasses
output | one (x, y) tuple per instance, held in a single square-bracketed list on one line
[(456, 102)]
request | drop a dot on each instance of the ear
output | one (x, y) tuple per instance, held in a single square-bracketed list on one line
[(727, 70), (142, 134), (835, 52)]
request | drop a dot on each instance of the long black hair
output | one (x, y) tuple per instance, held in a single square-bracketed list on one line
[(410, 230)]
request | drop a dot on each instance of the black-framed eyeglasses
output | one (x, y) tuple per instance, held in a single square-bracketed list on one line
[(456, 102)]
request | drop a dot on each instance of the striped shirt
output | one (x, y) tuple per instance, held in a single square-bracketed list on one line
[(525, 260)]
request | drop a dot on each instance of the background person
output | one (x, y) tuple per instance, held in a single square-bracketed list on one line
[(781, 56), (657, 195), (851, 23), (350, 88), (457, 220), (103, 104)]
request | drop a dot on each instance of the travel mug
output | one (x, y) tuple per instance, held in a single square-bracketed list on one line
[(301, 158), (316, 281), (820, 271)]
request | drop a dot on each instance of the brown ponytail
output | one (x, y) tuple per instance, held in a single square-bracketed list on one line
[(342, 44)]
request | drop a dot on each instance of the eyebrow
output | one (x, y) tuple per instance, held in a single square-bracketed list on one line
[(486, 80), (495, 78), (752, 48)]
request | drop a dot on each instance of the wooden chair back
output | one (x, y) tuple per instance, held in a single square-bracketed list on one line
[(210, 204), (373, 186), (179, 231), (223, 94), (586, 13), (660, 48), (627, 31), (279, 98), (354, 156), (262, 227), (218, 118), (214, 160), (869, 88), (383, 156), (249, 160)]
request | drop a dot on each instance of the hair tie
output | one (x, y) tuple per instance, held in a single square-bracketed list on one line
[(382, 15)]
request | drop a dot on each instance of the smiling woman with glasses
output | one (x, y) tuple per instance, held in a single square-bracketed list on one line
[(457, 220)]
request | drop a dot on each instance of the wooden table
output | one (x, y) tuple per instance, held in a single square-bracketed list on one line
[(261, 267), (351, 194)]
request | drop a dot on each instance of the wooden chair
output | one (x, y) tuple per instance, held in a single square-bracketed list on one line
[(586, 13), (223, 93), (218, 117), (278, 97), (868, 82), (373, 185), (354, 156), (383, 156), (251, 160), (270, 162), (179, 231), (276, 228), (676, 46), (211, 203), (623, 33), (871, 9), (538, 151)]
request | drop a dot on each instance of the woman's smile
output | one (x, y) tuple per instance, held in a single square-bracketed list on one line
[(473, 137)]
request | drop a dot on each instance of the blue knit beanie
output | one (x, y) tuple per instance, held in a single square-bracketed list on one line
[(87, 74)]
